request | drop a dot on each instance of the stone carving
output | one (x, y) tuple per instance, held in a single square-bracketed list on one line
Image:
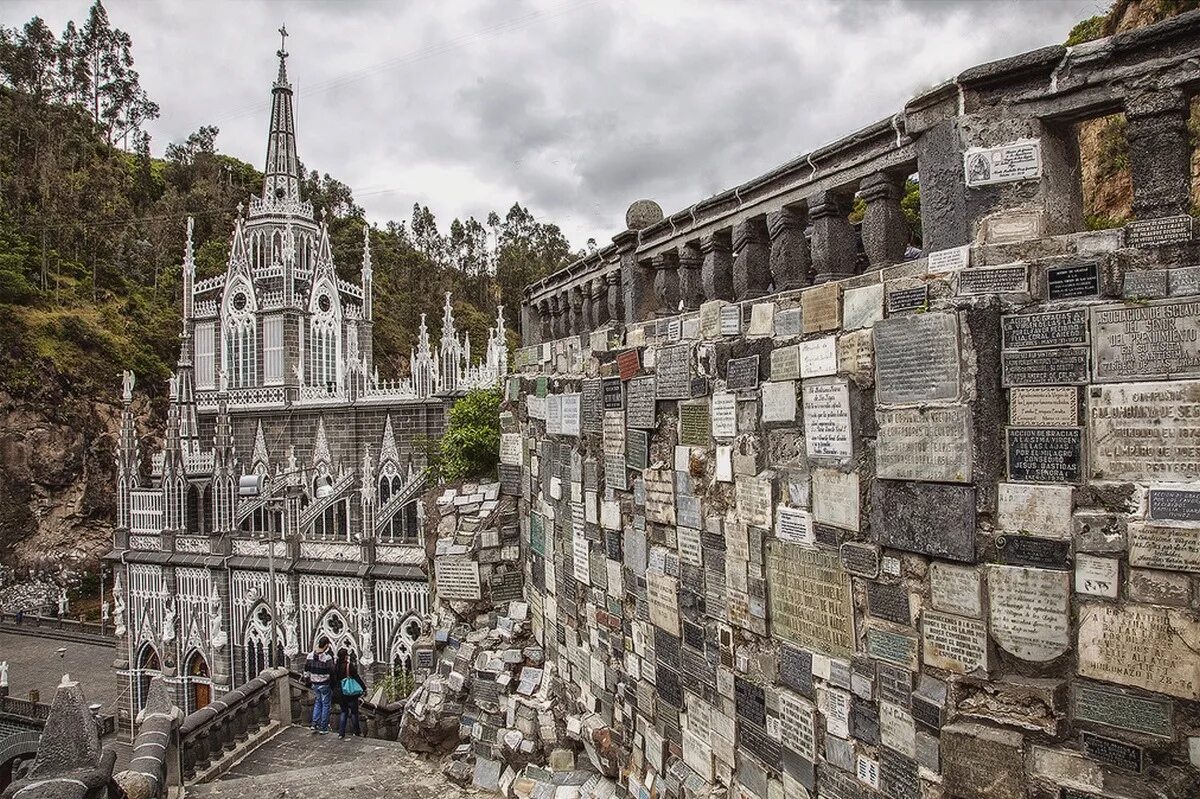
[(217, 638)]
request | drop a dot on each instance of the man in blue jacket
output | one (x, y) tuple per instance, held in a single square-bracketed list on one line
[(320, 669)]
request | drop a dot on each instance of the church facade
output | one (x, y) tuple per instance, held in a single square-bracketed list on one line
[(283, 505)]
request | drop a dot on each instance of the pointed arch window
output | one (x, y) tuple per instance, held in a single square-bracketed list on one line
[(334, 627), (258, 642), (240, 336), (324, 334), (148, 666)]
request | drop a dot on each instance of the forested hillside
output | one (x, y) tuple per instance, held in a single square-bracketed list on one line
[(91, 238)]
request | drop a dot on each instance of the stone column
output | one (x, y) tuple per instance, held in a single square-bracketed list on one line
[(599, 293), (575, 300), (558, 309), (1159, 153), (531, 324), (832, 237), (545, 320), (884, 228), (636, 284), (612, 280), (716, 273), (752, 259), (666, 284), (791, 263), (691, 287)]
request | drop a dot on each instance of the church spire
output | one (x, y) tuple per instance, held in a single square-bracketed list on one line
[(281, 179)]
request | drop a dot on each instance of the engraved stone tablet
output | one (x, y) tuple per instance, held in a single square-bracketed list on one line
[(862, 307), (1113, 707), (1156, 546), (570, 414), (753, 496), (1045, 454), (983, 762), (741, 373), (787, 323), (1039, 509), (637, 445), (1073, 281), (695, 423), (778, 402), (818, 357), (794, 525), (456, 578), (1029, 611), (628, 363), (795, 669), (797, 725), (1145, 284), (1146, 431), (1020, 160), (898, 775), (640, 403), (1141, 645), (724, 415), (710, 319), (1032, 550), (1182, 281), (614, 434), (1061, 366), (856, 356), (835, 498), (907, 300), (896, 730), (1043, 406), (1113, 753), (1097, 576), (889, 602), (860, 559), (821, 308), (731, 320), (785, 363), (1177, 504), (954, 643), (1150, 341), (956, 589), (809, 597), (827, 432), (511, 448), (673, 372), (613, 394), (1159, 231), (660, 496), (924, 444), (916, 359), (993, 280), (662, 592), (591, 399), (1050, 329), (936, 519), (949, 260)]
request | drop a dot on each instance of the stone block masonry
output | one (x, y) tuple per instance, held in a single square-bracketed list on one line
[(916, 529)]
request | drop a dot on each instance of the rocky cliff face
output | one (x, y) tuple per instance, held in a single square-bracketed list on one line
[(57, 480)]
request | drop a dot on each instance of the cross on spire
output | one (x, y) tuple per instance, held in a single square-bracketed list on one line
[(282, 53)]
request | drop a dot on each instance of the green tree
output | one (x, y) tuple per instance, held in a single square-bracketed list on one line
[(471, 445)]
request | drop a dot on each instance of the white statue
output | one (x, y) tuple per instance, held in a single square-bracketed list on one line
[(127, 386), (3, 673), (223, 380), (291, 641), (105, 611), (364, 632), (217, 636), (118, 594), (168, 623), (63, 604)]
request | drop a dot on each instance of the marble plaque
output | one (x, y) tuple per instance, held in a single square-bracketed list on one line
[(1182, 281), (731, 320), (1012, 226), (710, 319), (954, 643), (794, 525), (511, 448), (956, 589), (724, 415), (614, 472), (899, 649), (1146, 341), (1045, 454), (1043, 406), (795, 669), (809, 596), (554, 425), (1156, 546), (916, 359), (896, 729), (890, 603), (1059, 366), (613, 394), (860, 559), (741, 373), (662, 594), (1019, 160), (907, 300), (1144, 646), (695, 423), (785, 363), (788, 323), (1038, 509), (753, 495), (456, 578), (797, 718), (673, 372), (637, 448), (1146, 431), (1114, 707), (1145, 284), (856, 356), (1159, 231), (614, 433), (1073, 281), (821, 308), (862, 307), (660, 496), (827, 431), (924, 444), (936, 519), (1029, 611), (898, 775), (818, 357), (591, 401), (983, 762), (1097, 576), (778, 402), (1171, 503), (1013, 279), (639, 403), (1049, 329), (762, 320), (950, 259), (835, 498)]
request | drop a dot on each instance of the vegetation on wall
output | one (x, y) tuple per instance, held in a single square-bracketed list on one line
[(471, 444)]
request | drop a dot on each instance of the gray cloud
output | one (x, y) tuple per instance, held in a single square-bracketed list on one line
[(572, 107)]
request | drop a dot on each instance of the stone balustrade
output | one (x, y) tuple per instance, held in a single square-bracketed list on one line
[(999, 138)]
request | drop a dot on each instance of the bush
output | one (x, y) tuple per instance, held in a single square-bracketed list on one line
[(471, 445)]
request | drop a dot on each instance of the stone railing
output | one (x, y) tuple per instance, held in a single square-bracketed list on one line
[(378, 720), (239, 719), (999, 138), (53, 627), (24, 708)]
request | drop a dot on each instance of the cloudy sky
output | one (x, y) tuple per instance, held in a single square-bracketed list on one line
[(575, 108)]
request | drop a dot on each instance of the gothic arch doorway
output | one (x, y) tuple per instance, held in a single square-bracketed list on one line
[(149, 666), (199, 682)]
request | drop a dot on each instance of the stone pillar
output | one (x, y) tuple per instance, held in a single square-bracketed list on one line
[(716, 273), (612, 280), (545, 320), (884, 228), (832, 238), (599, 293), (575, 301), (637, 296), (531, 324), (691, 287), (752, 259), (1159, 153), (791, 263), (666, 284), (558, 308)]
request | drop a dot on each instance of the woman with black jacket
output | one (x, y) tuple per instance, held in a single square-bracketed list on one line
[(350, 688)]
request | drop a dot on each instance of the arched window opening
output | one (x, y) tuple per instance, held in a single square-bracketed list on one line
[(258, 642), (334, 627), (149, 666), (199, 685)]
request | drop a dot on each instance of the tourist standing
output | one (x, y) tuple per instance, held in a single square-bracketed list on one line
[(350, 688), (320, 667)]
